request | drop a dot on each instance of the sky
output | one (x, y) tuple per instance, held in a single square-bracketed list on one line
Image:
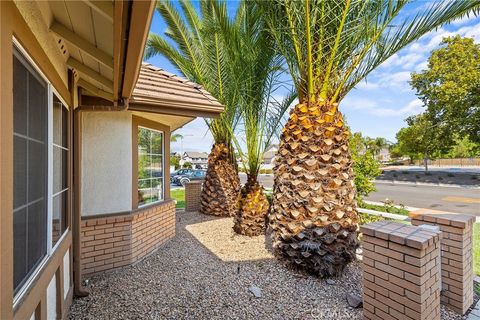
[(377, 107)]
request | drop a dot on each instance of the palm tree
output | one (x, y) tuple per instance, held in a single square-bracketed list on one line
[(202, 52), (260, 68), (175, 136), (329, 47)]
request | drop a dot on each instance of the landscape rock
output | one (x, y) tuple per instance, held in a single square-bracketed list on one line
[(257, 292), (354, 301)]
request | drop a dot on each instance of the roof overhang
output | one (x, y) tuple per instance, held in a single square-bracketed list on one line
[(102, 42)]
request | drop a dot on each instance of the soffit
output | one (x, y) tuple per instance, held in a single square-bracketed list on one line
[(81, 19), (172, 121)]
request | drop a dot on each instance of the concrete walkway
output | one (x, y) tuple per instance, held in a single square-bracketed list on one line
[(475, 313)]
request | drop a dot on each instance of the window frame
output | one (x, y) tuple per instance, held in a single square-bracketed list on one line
[(138, 122), (162, 165), (25, 58)]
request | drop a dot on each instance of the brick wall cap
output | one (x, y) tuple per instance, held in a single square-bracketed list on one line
[(194, 182), (443, 218), (412, 236)]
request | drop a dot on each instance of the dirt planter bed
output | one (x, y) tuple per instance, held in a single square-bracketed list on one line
[(205, 272)]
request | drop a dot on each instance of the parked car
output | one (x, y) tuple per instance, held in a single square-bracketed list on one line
[(181, 180), (180, 172)]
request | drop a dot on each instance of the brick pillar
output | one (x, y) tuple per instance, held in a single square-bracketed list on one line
[(193, 189), (401, 272), (456, 253)]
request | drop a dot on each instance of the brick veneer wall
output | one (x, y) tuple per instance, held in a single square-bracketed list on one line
[(193, 189), (401, 272), (457, 261), (114, 241)]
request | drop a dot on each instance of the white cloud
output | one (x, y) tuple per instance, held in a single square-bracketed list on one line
[(196, 137), (395, 81), (372, 107)]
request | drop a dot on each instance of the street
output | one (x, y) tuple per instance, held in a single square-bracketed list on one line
[(453, 199)]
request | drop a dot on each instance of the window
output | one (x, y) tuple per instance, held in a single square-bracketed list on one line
[(40, 181), (30, 145), (150, 166), (60, 169)]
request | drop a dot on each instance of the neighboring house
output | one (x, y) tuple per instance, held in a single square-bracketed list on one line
[(81, 115), (269, 157), (198, 160)]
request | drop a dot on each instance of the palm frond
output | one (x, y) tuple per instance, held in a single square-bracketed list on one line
[(331, 45)]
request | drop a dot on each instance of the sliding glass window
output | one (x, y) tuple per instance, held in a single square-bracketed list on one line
[(40, 172)]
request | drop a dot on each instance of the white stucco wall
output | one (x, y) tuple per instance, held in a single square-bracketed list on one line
[(66, 274), (106, 162), (52, 299)]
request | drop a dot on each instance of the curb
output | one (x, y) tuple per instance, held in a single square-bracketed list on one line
[(376, 203), (384, 214), (443, 185)]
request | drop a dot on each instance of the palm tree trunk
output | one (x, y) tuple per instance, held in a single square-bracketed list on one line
[(222, 185), (252, 209), (314, 219)]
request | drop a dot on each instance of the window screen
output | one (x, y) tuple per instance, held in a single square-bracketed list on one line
[(30, 105), (150, 166)]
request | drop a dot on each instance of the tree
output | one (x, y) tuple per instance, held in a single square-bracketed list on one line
[(187, 165), (204, 53), (423, 138), (329, 47), (261, 67), (450, 86), (463, 148), (365, 167), (175, 136), (175, 161)]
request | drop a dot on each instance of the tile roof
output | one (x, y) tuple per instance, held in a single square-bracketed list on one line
[(157, 87)]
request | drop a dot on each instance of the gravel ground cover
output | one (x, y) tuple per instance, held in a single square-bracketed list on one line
[(205, 272)]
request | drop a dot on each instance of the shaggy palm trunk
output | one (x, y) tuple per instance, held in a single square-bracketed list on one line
[(313, 218), (252, 209), (222, 186)]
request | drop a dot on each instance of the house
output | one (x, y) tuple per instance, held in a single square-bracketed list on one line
[(269, 156), (197, 159), (84, 127)]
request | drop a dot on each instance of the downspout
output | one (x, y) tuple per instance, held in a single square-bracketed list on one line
[(78, 289)]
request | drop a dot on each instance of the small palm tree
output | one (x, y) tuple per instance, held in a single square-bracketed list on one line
[(175, 136), (203, 53), (330, 46), (260, 68)]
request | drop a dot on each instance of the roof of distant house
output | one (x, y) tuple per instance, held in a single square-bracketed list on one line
[(194, 154), (158, 90)]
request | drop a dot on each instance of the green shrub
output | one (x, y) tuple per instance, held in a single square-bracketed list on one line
[(440, 178), (450, 175), (417, 176), (368, 218)]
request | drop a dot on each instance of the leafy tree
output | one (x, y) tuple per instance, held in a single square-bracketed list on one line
[(329, 47), (365, 167), (422, 139), (450, 86), (187, 165), (175, 161), (463, 148)]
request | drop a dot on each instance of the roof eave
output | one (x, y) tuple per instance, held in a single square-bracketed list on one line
[(131, 26)]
